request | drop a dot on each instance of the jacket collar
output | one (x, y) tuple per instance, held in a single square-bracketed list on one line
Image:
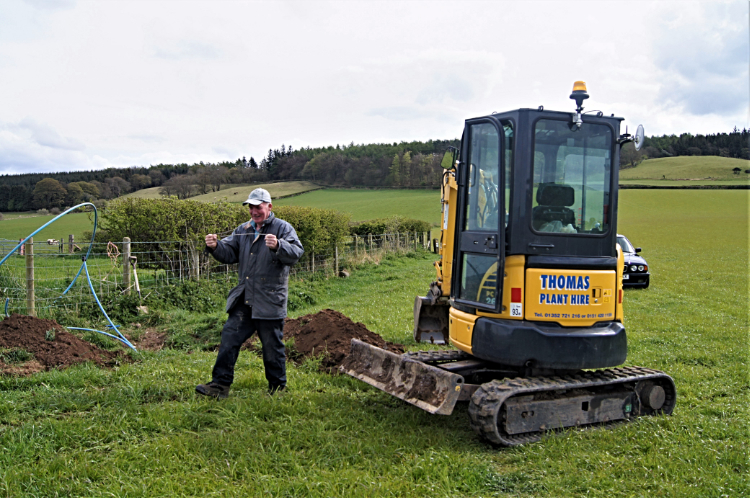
[(267, 222)]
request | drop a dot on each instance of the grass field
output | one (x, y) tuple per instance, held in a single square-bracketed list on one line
[(235, 193), (699, 170), (370, 204), (139, 430), (74, 223)]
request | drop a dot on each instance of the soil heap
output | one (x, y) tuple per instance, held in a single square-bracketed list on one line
[(329, 334), (50, 344)]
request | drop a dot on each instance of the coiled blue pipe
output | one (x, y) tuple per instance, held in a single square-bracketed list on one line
[(83, 267)]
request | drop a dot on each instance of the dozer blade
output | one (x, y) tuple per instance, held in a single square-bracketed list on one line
[(430, 320), (430, 388)]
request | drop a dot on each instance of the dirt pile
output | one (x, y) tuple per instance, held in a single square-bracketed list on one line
[(49, 345), (329, 333)]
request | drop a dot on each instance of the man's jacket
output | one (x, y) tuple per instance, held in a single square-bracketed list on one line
[(264, 274)]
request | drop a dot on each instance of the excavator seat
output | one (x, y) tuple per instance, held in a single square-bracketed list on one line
[(553, 201)]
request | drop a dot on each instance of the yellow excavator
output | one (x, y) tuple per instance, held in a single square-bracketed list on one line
[(529, 284)]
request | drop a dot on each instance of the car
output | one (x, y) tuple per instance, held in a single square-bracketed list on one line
[(636, 272)]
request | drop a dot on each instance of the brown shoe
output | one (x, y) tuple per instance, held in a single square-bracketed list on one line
[(213, 389)]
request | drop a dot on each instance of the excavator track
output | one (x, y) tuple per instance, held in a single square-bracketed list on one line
[(438, 356), (517, 411)]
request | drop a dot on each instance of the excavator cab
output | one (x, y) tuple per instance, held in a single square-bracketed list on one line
[(529, 284)]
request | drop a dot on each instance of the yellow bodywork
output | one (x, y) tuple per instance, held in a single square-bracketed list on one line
[(571, 298), (447, 233)]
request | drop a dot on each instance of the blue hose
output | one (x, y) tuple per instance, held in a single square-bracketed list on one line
[(83, 267)]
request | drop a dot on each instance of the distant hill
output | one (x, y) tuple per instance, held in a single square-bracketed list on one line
[(235, 193), (690, 169)]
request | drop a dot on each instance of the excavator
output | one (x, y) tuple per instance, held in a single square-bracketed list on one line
[(528, 291)]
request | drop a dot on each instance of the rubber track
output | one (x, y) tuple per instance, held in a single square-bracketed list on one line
[(438, 356), (487, 401)]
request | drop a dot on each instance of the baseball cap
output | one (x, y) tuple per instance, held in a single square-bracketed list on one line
[(257, 196)]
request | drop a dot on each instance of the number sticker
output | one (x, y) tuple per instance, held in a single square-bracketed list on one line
[(516, 309)]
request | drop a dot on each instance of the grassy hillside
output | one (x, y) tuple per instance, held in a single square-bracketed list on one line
[(693, 169), (370, 204), (74, 223), (235, 193), (146, 193), (362, 204)]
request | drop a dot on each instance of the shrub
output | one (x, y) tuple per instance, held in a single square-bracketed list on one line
[(395, 224), (55, 211), (1, 216), (319, 230), (42, 211), (147, 220)]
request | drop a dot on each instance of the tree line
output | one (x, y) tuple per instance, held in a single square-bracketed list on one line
[(404, 165)]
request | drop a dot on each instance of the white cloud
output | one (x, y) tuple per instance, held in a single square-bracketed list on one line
[(47, 136), (122, 83), (702, 55)]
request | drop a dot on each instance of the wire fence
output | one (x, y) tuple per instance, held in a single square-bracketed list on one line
[(37, 279)]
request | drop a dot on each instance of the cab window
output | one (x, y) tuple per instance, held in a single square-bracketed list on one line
[(572, 177), (482, 194)]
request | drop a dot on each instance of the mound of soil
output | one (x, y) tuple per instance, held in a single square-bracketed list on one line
[(329, 334), (30, 334)]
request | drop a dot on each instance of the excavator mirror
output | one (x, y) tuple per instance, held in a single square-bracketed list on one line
[(638, 139), (447, 162)]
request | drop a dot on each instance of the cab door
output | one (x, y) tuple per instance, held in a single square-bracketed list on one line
[(480, 227)]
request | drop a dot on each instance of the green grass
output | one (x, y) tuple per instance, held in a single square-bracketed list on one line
[(739, 181), (370, 204), (699, 170), (139, 430), (73, 223), (235, 193), (361, 204)]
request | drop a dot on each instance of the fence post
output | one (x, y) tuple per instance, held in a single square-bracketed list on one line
[(126, 264), (30, 301), (416, 241), (429, 238), (336, 261), (195, 259), (356, 246), (71, 243), (369, 241)]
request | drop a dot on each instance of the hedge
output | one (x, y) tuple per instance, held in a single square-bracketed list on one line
[(395, 224), (157, 220)]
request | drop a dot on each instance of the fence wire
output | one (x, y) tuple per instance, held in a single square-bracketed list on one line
[(38, 289)]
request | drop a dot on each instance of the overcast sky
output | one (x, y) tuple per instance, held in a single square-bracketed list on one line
[(93, 84)]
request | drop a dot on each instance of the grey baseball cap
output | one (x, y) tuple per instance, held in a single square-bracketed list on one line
[(258, 196)]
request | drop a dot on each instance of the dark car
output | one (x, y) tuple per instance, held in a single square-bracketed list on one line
[(636, 269)]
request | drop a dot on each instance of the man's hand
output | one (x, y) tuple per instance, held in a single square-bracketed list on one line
[(272, 242), (212, 240)]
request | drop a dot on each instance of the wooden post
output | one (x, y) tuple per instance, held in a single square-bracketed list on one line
[(416, 241), (30, 298), (429, 238), (336, 261), (356, 245), (126, 264), (71, 243), (369, 241), (195, 259)]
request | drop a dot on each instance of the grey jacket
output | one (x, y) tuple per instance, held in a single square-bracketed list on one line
[(264, 274)]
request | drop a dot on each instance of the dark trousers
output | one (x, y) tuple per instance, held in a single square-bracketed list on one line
[(240, 327)]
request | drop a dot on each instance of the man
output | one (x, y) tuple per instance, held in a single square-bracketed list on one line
[(265, 248)]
